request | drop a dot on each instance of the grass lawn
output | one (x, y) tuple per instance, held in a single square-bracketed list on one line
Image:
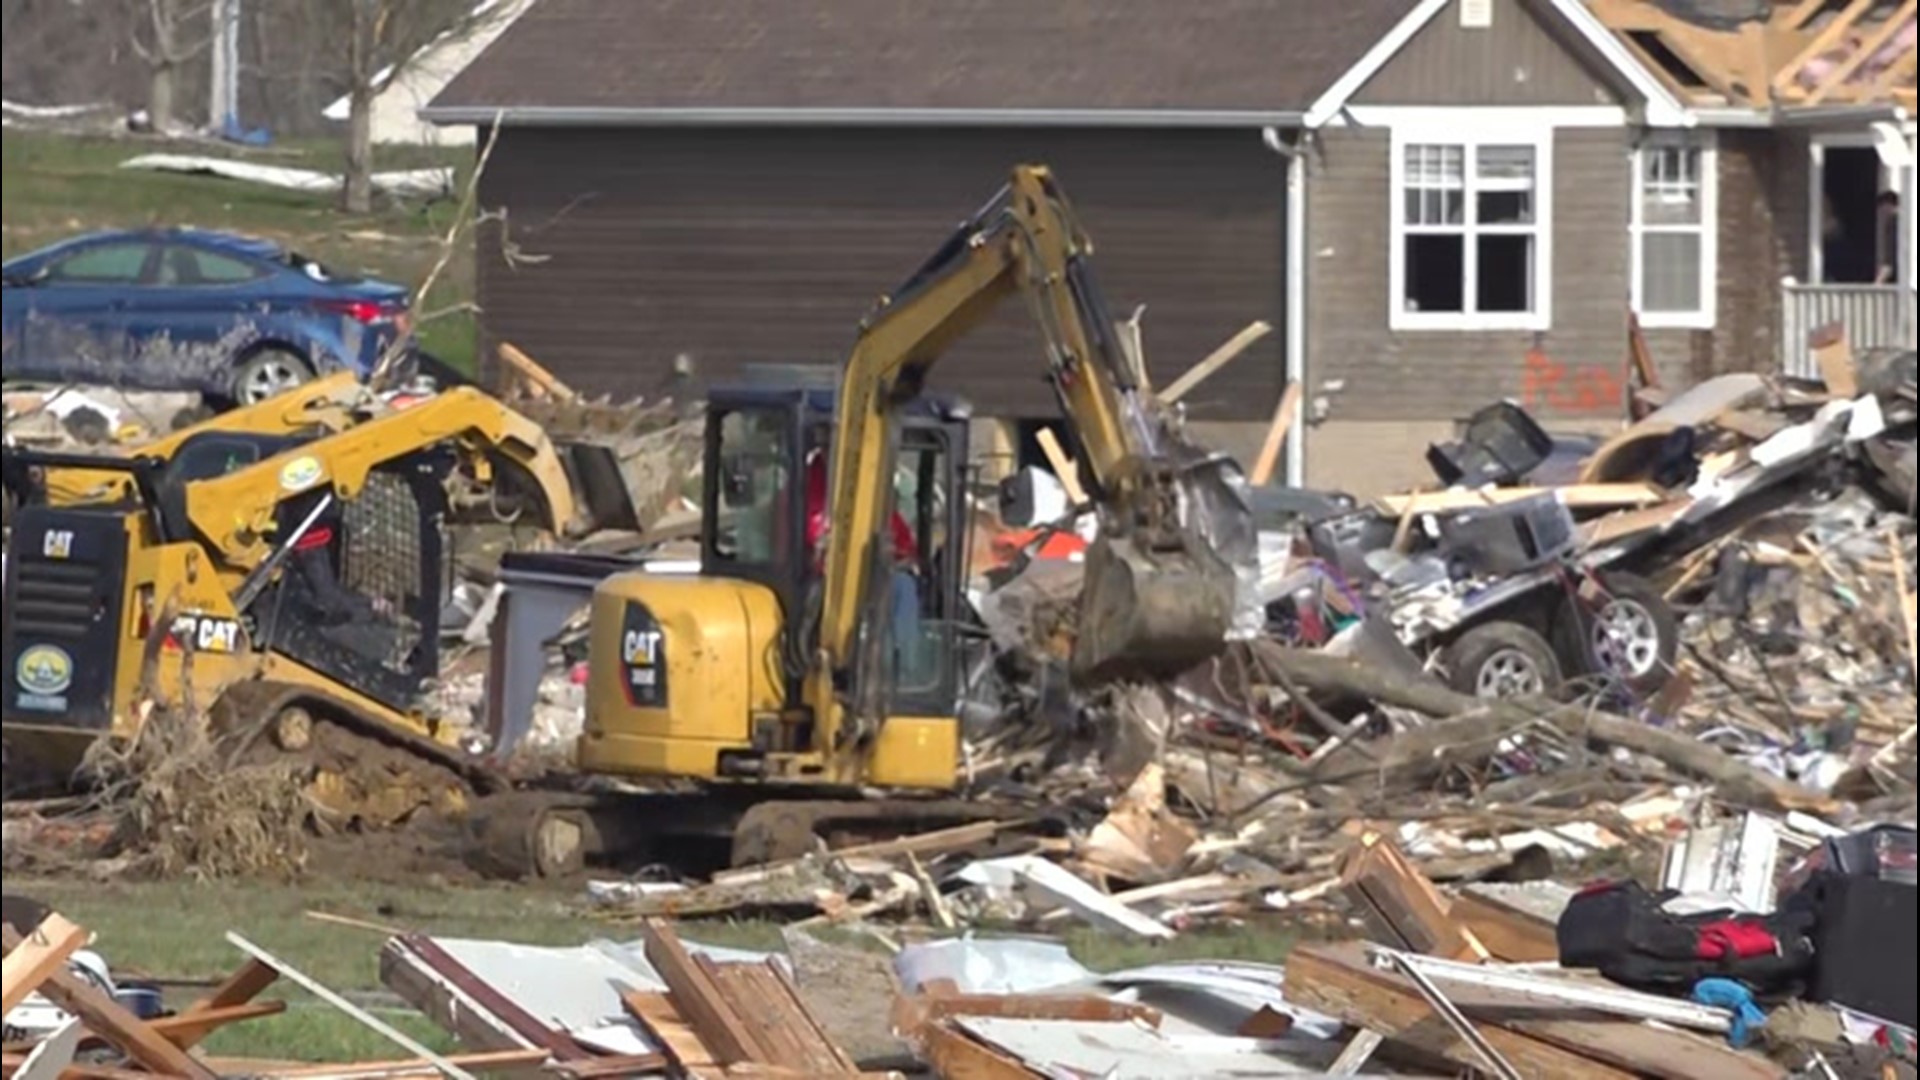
[(54, 186), (177, 931)]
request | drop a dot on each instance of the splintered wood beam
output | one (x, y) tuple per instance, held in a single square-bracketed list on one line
[(1338, 981), (699, 998), (1829, 36), (36, 958), (247, 982), (1862, 55), (111, 1021)]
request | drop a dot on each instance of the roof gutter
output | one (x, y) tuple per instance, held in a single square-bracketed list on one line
[(569, 116), (1790, 117)]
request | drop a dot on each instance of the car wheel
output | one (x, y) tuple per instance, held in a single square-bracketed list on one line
[(268, 373), (1629, 633), (1500, 660)]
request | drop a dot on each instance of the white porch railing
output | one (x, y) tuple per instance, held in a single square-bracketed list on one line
[(1875, 316)]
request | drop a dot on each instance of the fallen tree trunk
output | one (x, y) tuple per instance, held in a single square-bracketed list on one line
[(1736, 780)]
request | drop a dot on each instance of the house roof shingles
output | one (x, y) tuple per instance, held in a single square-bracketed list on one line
[(625, 56)]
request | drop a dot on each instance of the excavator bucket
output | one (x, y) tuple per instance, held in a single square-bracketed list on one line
[(1150, 614), (1154, 612)]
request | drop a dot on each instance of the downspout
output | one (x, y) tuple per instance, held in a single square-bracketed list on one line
[(1296, 316)]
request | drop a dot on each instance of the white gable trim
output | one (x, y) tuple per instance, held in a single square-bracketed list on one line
[(1335, 99), (1663, 109)]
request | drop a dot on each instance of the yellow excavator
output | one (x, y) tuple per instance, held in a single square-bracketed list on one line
[(783, 681), (260, 569)]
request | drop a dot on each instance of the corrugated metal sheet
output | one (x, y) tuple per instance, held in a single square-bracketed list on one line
[(744, 247), (1512, 61)]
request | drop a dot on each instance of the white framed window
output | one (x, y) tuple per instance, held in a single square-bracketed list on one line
[(1675, 230), (1471, 216)]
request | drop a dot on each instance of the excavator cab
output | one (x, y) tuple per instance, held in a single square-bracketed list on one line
[(766, 520)]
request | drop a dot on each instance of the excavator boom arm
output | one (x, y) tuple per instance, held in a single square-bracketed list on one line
[(1025, 240)]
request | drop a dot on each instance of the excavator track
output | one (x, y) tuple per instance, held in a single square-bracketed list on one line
[(552, 834), (361, 772)]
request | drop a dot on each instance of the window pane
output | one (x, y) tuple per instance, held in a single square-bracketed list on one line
[(1670, 185), (1507, 165), (108, 264), (1436, 166), (222, 270), (754, 489), (1505, 207), (1436, 274), (1670, 272), (1505, 273)]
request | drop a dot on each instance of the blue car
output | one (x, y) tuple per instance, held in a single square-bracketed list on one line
[(234, 318)]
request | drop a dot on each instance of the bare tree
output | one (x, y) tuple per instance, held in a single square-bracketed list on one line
[(386, 38), (170, 35)]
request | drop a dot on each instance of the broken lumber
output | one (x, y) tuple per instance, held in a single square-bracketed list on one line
[(699, 998), (668, 1029), (111, 1021), (1283, 419), (35, 959), (1216, 360), (1834, 355), (533, 375), (1737, 781), (1510, 934), (1338, 980), (1401, 903), (1575, 497), (1064, 467)]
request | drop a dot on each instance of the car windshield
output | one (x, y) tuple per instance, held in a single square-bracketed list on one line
[(316, 269)]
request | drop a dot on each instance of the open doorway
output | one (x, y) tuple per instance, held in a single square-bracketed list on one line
[(1849, 190), (1859, 225)]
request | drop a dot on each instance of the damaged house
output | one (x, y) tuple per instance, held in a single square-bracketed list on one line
[(1435, 203)]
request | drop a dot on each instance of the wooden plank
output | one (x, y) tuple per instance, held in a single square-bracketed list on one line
[(111, 1020), (611, 1068), (938, 842), (189, 1029), (782, 985), (1216, 360), (1830, 36), (1337, 980), (1509, 934), (954, 1056), (1640, 354), (780, 1039), (657, 1013), (697, 998), (1864, 52), (1283, 419), (1360, 1050), (247, 982), (34, 960), (1630, 522), (410, 1068), (1402, 903), (367, 1020), (533, 373), (1576, 497), (1063, 466), (1900, 71)]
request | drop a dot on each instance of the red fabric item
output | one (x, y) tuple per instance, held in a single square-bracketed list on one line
[(1731, 939), (904, 548), (317, 537)]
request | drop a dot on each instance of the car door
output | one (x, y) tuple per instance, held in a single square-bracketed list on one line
[(193, 314), (72, 320)]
